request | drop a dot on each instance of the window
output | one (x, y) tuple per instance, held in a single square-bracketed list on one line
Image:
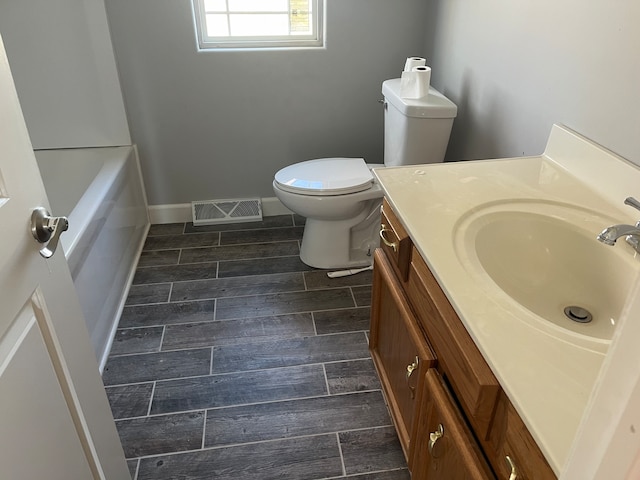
[(258, 23)]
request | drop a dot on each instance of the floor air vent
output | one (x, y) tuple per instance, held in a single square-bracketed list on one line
[(211, 212)]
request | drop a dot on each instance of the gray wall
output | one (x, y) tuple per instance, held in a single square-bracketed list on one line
[(516, 67), (220, 124), (62, 62)]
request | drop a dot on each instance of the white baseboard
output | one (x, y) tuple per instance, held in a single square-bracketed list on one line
[(271, 207), (181, 212), (174, 213)]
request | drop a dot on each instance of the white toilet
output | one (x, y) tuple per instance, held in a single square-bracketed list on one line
[(339, 196)]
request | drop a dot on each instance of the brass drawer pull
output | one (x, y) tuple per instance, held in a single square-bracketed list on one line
[(410, 369), (433, 441), (512, 466), (392, 245)]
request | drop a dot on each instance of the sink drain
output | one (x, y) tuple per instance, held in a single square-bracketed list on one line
[(578, 314)]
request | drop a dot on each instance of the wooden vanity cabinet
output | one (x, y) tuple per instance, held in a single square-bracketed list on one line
[(451, 385)]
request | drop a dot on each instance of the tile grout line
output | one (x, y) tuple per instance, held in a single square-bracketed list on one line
[(137, 470), (326, 380), (314, 290), (153, 391), (353, 297), (247, 259), (204, 430), (235, 277), (294, 237), (151, 304), (164, 330), (199, 322), (270, 257), (344, 469), (290, 273), (275, 401), (358, 475)]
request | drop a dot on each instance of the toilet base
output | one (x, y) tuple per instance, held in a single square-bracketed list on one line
[(342, 244)]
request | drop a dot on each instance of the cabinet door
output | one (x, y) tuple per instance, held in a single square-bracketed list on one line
[(446, 449), (398, 348), (511, 448)]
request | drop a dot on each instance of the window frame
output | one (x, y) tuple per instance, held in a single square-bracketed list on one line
[(207, 43)]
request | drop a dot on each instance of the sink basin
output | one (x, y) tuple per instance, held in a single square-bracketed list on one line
[(545, 258)]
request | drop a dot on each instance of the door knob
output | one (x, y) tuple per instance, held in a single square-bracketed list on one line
[(47, 230)]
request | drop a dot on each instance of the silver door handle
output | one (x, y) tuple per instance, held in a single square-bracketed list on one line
[(47, 229)]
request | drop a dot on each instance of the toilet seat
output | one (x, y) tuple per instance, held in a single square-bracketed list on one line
[(325, 176)]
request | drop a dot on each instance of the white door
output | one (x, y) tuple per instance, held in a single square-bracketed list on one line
[(55, 421)]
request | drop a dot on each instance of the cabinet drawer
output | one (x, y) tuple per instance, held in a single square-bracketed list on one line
[(398, 349), (445, 449), (509, 437), (458, 357), (395, 241)]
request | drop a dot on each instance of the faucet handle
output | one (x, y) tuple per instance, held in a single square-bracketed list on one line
[(632, 239), (632, 202)]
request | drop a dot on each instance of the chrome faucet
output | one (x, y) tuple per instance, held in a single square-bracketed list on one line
[(632, 233)]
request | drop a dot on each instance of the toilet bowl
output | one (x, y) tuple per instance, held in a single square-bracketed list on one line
[(340, 197), (341, 202)]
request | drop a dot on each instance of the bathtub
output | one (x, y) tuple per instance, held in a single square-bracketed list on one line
[(100, 191)]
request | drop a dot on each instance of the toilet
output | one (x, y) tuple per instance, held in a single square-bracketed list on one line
[(340, 197)]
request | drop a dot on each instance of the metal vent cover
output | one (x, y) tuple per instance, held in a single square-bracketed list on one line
[(229, 210)]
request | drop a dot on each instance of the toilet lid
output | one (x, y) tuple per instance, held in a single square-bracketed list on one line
[(326, 176)]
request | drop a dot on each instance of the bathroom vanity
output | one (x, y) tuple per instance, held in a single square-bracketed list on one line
[(453, 419), (484, 374)]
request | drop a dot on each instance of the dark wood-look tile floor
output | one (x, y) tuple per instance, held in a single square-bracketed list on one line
[(233, 360)]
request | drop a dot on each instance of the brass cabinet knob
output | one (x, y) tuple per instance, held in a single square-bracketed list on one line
[(391, 245), (412, 367), (434, 450), (512, 466)]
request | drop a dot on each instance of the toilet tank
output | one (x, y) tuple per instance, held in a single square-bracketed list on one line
[(415, 130)]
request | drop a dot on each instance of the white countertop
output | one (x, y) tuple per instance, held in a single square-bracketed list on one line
[(548, 379)]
